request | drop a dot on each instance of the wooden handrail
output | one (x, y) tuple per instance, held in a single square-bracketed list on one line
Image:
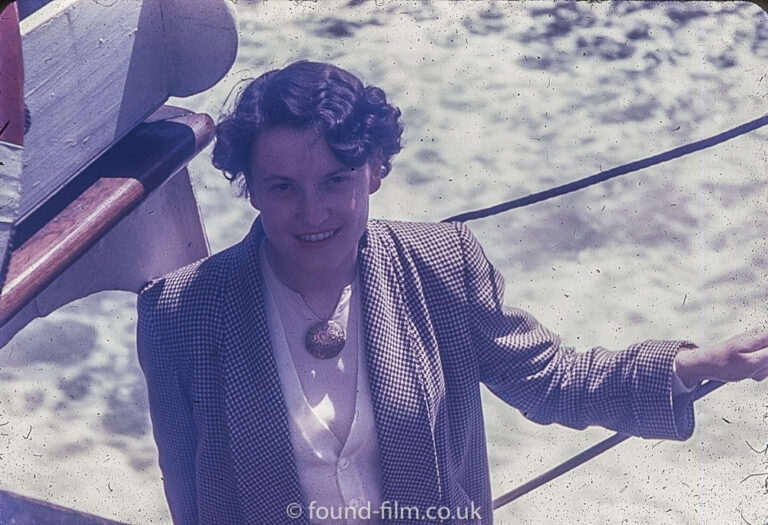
[(57, 234)]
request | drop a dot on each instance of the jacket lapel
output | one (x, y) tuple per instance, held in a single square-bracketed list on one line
[(404, 415), (262, 454)]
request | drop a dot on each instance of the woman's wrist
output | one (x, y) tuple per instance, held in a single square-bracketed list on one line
[(688, 366)]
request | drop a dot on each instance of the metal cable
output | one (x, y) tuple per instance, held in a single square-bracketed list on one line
[(583, 457), (613, 172)]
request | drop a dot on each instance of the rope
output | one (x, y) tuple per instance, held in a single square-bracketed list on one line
[(583, 457), (613, 172)]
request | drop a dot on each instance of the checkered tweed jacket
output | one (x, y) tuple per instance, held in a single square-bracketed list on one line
[(435, 328)]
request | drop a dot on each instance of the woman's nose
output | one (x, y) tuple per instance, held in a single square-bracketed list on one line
[(313, 208)]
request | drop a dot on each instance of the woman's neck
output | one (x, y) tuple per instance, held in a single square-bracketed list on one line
[(320, 292)]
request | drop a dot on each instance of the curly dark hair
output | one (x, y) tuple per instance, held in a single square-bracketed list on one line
[(357, 121)]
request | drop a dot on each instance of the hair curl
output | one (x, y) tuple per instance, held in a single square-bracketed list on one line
[(356, 121)]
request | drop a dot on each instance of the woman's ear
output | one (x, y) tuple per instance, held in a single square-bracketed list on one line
[(252, 195), (254, 200), (374, 167)]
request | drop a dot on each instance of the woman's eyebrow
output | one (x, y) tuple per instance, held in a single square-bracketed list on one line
[(336, 172), (275, 177)]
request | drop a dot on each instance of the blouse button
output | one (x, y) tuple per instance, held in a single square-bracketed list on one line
[(344, 463)]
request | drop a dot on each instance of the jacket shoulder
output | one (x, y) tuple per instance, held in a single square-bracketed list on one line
[(436, 253), (433, 241), (189, 287)]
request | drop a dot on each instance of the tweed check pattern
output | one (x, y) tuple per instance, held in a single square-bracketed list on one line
[(435, 328)]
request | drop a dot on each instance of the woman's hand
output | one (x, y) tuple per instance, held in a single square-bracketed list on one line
[(740, 357)]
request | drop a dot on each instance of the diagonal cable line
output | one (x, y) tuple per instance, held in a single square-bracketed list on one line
[(613, 172), (583, 457)]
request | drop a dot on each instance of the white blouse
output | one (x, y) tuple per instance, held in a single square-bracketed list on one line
[(330, 413)]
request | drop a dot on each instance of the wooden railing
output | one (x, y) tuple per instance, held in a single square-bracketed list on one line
[(59, 233)]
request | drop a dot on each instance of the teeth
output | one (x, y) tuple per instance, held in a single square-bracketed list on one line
[(314, 237)]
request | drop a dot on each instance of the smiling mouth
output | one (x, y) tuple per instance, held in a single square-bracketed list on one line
[(317, 237)]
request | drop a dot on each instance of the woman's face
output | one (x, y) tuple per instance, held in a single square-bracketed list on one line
[(313, 208)]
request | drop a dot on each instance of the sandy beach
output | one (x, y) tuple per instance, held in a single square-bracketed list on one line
[(499, 100)]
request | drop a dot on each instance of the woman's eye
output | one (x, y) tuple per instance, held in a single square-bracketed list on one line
[(339, 179), (283, 186)]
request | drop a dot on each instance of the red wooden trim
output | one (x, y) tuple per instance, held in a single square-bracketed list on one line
[(123, 176)]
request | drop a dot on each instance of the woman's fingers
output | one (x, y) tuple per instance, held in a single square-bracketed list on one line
[(761, 372), (751, 341), (745, 343), (740, 357), (750, 354), (755, 350)]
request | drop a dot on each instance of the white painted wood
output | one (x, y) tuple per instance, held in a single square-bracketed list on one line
[(94, 70), (199, 35), (163, 233)]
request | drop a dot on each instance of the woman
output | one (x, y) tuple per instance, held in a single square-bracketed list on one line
[(327, 368)]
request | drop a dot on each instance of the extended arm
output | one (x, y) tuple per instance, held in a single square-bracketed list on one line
[(527, 366)]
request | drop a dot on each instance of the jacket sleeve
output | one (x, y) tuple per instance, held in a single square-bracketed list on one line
[(170, 409), (526, 365)]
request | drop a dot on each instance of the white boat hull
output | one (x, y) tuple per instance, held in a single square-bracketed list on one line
[(94, 70)]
